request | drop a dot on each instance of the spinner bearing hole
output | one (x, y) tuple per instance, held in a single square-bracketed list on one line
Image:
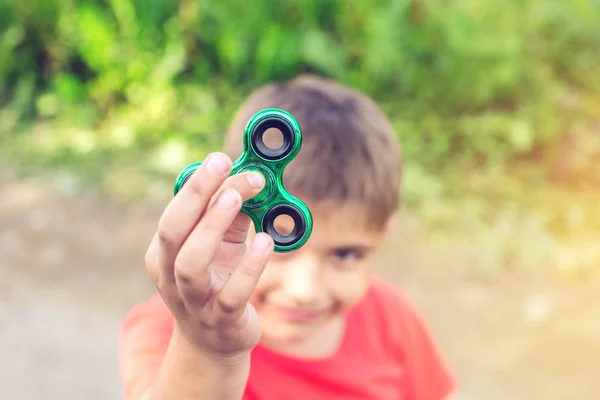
[(273, 138), (284, 224), (284, 233)]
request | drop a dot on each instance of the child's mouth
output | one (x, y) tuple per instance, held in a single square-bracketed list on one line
[(298, 315)]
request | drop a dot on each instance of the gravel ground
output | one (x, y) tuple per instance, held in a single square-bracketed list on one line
[(72, 265)]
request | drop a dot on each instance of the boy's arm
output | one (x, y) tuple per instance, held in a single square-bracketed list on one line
[(205, 273), (156, 363), (189, 374)]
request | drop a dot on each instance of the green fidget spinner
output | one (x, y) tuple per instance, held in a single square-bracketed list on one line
[(273, 200)]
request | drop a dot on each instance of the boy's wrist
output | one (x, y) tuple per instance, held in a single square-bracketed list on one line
[(226, 362), (188, 372)]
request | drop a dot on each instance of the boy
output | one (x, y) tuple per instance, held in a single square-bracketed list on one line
[(234, 320)]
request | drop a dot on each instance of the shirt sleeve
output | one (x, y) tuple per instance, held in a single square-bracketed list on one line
[(429, 376), (143, 341)]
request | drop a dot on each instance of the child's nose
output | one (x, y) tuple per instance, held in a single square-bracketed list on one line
[(302, 281)]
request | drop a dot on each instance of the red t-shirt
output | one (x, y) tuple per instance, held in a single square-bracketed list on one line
[(387, 353)]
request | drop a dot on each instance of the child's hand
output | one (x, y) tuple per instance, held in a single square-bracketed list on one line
[(199, 263)]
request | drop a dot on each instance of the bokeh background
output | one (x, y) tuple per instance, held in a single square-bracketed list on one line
[(496, 105)]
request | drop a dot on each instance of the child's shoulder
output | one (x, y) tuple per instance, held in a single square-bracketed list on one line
[(392, 321), (383, 289), (387, 299), (390, 312)]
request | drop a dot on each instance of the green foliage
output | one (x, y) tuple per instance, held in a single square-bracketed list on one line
[(490, 86), (468, 81)]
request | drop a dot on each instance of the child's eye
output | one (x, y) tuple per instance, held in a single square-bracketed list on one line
[(347, 255)]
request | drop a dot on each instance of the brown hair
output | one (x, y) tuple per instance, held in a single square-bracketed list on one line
[(349, 150)]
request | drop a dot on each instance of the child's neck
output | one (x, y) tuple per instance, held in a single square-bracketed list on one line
[(321, 344)]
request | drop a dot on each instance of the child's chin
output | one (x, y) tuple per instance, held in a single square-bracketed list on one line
[(286, 333)]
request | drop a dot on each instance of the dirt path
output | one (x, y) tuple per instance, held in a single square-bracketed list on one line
[(72, 265)]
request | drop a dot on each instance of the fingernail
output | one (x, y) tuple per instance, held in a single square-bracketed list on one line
[(255, 179), (228, 198), (217, 164), (262, 242)]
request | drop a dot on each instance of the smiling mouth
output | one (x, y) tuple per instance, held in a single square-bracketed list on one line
[(298, 315)]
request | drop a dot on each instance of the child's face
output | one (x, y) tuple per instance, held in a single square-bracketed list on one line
[(302, 291)]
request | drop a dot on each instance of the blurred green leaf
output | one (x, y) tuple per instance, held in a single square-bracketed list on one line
[(69, 89), (480, 84), (322, 53), (98, 43), (47, 105)]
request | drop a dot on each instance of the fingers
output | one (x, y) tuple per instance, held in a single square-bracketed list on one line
[(191, 271), (236, 291), (238, 231), (248, 184), (186, 209)]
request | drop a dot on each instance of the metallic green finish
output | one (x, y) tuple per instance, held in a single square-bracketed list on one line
[(274, 192), (265, 194)]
